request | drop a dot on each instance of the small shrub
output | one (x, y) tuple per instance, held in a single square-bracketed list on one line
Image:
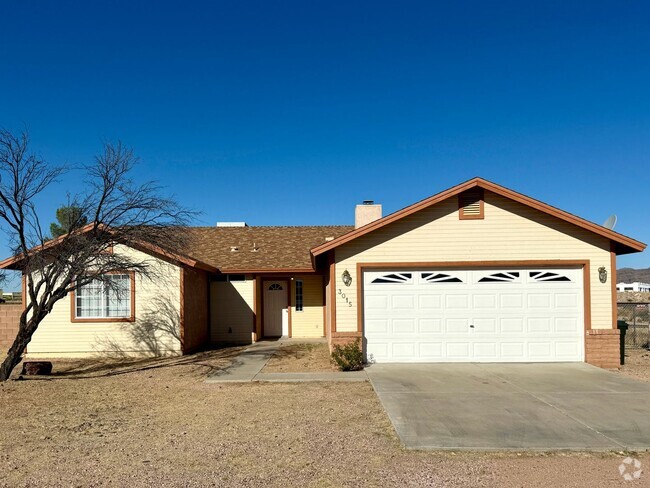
[(348, 357)]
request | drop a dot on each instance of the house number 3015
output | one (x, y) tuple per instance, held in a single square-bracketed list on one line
[(344, 297)]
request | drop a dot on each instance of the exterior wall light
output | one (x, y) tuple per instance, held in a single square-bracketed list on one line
[(602, 274), (347, 279)]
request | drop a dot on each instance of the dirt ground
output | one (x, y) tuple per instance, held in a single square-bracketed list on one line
[(156, 423), (637, 364), (300, 358)]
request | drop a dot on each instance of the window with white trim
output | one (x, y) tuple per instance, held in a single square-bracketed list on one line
[(298, 295), (106, 298)]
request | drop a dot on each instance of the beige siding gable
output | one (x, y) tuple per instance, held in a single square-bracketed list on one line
[(510, 231)]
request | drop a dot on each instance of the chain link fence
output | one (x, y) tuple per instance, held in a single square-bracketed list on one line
[(637, 318)]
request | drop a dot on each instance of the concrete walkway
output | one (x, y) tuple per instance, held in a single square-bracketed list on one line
[(551, 406), (248, 365)]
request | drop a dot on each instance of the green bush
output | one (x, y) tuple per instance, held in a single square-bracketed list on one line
[(348, 357)]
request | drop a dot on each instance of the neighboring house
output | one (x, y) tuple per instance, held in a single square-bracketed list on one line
[(476, 273), (636, 286)]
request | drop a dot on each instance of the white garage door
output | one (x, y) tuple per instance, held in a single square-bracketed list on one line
[(493, 315)]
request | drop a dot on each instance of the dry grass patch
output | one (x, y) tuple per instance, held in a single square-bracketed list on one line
[(157, 423), (301, 358)]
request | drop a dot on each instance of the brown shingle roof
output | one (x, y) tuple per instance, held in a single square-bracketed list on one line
[(278, 248)]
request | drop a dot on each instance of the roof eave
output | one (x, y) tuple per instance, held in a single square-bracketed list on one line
[(621, 249), (266, 270), (13, 262)]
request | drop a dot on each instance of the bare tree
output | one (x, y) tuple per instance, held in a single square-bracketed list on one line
[(119, 211)]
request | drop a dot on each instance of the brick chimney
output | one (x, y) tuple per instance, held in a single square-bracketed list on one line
[(367, 212)]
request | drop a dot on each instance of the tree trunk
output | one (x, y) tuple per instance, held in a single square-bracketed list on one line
[(15, 353)]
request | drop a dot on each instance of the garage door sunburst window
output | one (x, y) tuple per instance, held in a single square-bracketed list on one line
[(547, 276), (440, 278), (394, 278), (501, 277)]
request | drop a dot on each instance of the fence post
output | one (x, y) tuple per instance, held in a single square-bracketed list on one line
[(622, 326), (634, 323)]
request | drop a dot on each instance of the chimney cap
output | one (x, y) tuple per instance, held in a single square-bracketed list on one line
[(368, 202)]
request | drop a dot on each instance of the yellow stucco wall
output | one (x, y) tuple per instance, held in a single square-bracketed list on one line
[(510, 231), (155, 331), (309, 322)]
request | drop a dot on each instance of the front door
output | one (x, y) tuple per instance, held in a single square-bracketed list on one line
[(276, 299)]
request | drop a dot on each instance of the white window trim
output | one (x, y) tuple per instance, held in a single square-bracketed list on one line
[(130, 299)]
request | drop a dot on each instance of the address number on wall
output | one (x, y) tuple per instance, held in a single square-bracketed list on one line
[(344, 297)]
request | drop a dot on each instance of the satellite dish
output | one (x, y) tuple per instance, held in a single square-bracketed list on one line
[(610, 222)]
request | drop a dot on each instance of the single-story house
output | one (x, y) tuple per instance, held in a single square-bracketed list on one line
[(475, 273)]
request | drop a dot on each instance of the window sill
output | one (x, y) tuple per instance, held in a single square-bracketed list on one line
[(103, 320)]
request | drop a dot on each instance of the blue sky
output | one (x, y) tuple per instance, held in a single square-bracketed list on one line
[(292, 112)]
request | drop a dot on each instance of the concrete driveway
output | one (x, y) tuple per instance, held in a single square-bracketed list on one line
[(513, 406)]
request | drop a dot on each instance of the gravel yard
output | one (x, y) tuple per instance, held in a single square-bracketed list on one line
[(156, 422)]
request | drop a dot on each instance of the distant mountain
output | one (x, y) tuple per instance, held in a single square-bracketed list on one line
[(630, 275)]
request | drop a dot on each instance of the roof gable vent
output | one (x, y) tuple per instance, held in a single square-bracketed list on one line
[(470, 204)]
